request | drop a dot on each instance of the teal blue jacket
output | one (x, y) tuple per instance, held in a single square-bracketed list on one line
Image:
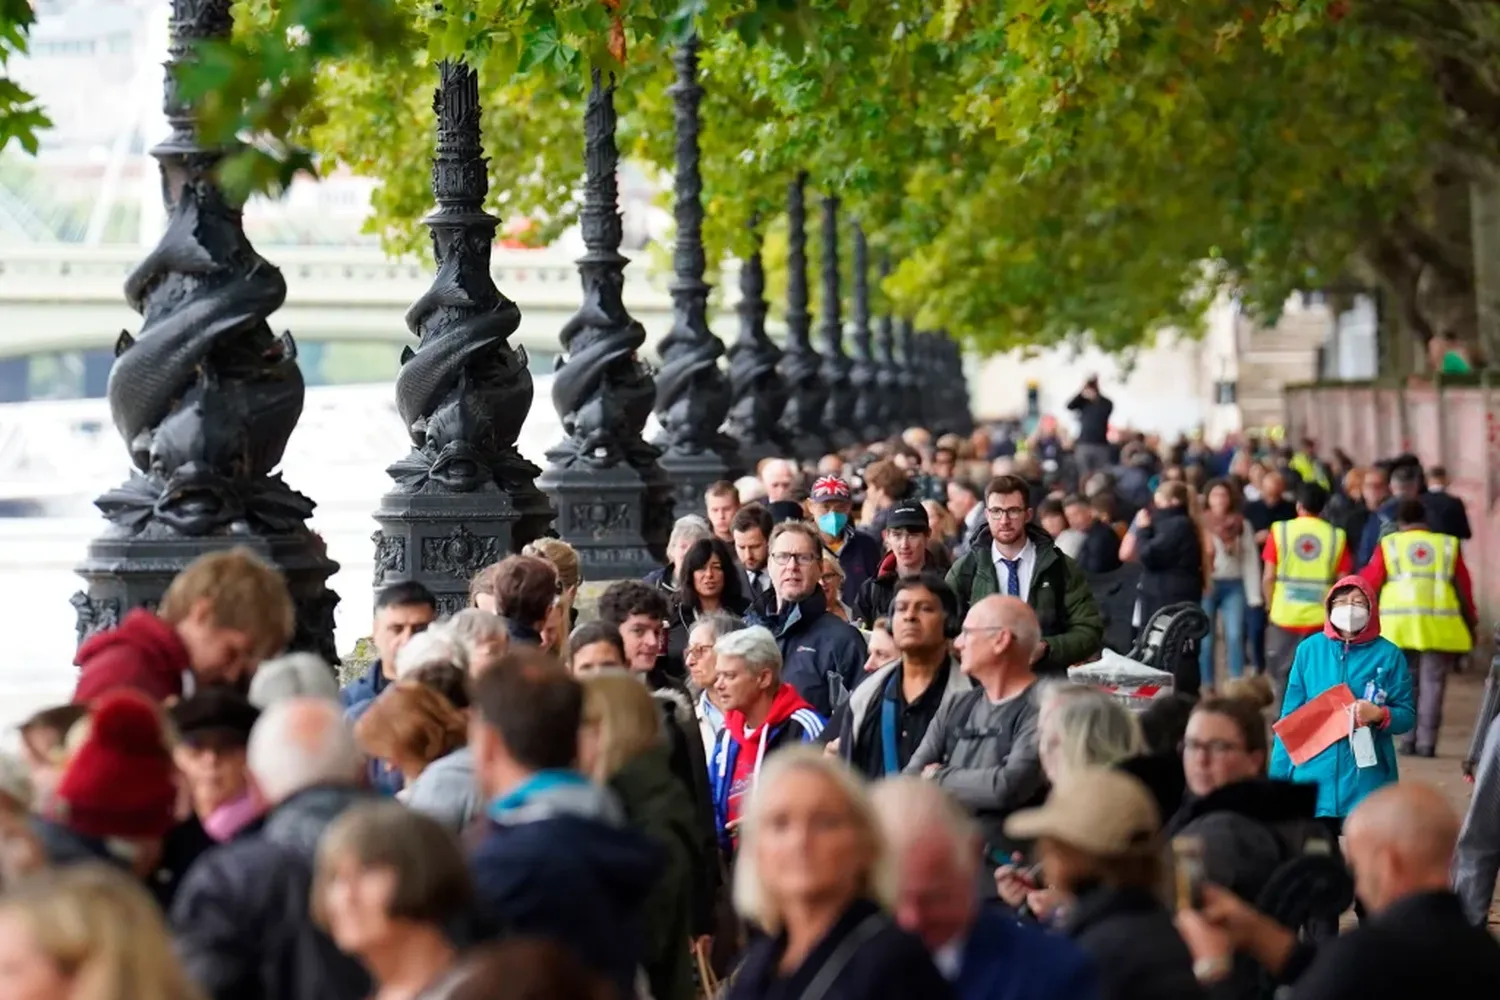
[(1322, 661)]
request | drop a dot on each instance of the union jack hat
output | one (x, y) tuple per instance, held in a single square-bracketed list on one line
[(830, 488)]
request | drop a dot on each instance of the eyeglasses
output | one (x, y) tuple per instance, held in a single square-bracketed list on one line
[(1214, 748), (1006, 513), (830, 578), (698, 652), (800, 558)]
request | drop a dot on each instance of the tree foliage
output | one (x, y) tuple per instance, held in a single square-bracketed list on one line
[(1042, 171), (21, 117)]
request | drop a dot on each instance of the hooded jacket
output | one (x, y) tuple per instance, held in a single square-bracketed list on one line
[(142, 652), (1373, 668), (853, 729), (877, 593), (790, 721), (657, 805), (822, 656), (556, 862), (1065, 607)]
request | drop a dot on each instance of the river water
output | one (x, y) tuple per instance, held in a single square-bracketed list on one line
[(337, 456)]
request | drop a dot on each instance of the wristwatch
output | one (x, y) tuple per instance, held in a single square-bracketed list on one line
[(1212, 969)]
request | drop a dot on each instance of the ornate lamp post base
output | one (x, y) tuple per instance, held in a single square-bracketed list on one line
[(442, 540), (691, 475), (125, 571), (603, 514)]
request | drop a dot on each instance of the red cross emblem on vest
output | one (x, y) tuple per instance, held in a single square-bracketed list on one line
[(1309, 547), (1420, 554)]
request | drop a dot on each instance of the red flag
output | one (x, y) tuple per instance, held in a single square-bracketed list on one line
[(1317, 725)]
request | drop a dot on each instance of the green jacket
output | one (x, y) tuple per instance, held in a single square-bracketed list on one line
[(1059, 594), (657, 805)]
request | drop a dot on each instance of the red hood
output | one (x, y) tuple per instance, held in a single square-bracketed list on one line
[(1371, 631), (887, 568), (783, 704), (142, 652)]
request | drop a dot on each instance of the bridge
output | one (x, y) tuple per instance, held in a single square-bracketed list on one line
[(64, 297)]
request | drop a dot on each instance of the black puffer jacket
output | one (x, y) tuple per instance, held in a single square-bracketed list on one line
[(1170, 552), (1134, 945), (241, 918)]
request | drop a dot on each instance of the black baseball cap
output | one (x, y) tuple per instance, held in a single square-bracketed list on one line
[(909, 515)]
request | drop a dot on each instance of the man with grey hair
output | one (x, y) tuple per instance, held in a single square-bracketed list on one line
[(293, 675), (981, 748), (780, 477), (761, 714), (981, 950), (241, 919), (687, 531)]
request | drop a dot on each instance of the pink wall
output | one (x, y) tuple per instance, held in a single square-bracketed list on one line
[(1451, 426)]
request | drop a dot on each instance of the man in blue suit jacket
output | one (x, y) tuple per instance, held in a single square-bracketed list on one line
[(982, 950)]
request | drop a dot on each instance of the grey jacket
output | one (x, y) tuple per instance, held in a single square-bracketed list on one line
[(870, 689), (445, 790), (992, 768)]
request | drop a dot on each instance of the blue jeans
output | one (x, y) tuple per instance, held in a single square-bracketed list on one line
[(1227, 599)]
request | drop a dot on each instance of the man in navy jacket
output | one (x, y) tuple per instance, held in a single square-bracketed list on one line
[(983, 951), (822, 655), (556, 860)]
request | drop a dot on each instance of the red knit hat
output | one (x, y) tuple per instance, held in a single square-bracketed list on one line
[(121, 780)]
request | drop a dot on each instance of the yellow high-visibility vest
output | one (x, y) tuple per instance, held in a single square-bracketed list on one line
[(1309, 470), (1308, 552), (1419, 606)]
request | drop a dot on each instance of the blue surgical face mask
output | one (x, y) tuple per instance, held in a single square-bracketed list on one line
[(832, 523)]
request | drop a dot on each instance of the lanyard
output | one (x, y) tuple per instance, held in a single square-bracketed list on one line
[(888, 723)]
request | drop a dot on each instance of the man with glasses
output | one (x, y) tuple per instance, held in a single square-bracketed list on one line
[(1022, 561), (981, 748), (822, 656)]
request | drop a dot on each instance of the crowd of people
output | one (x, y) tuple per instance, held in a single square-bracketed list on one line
[(829, 751)]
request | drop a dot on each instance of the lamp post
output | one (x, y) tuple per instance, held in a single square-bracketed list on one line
[(205, 396), (692, 394), (758, 389), (888, 375), (864, 375), (614, 502), (463, 497), (910, 413), (803, 416), (839, 405)]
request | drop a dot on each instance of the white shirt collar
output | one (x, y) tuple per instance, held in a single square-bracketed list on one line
[(949, 959), (1027, 550)]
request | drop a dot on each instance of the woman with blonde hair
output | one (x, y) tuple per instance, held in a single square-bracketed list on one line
[(410, 726), (86, 932), (813, 872), (622, 747)]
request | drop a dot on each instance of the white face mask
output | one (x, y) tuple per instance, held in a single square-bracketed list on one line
[(1349, 618)]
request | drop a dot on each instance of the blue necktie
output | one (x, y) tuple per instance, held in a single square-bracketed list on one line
[(1012, 576)]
